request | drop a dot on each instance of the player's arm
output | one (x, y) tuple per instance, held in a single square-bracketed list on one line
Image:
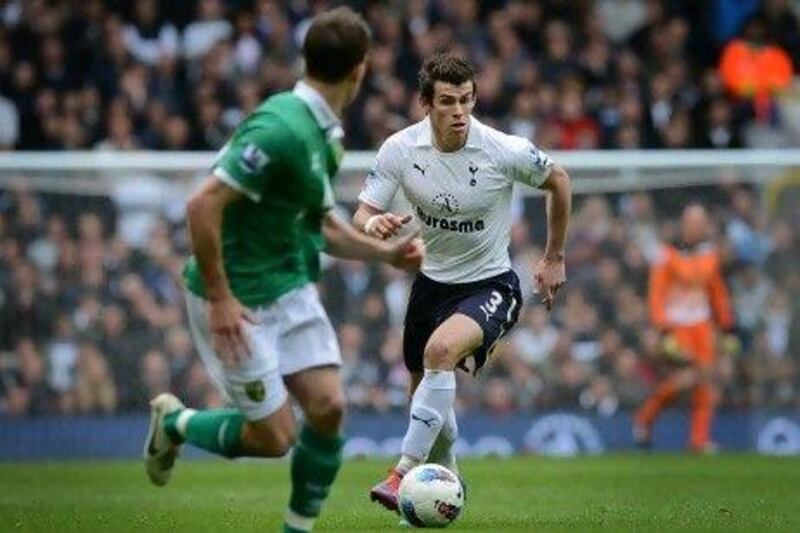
[(720, 300), (723, 313), (380, 186), (204, 217), (531, 166), (378, 223), (344, 240), (658, 286), (551, 271), (558, 190), (241, 172)]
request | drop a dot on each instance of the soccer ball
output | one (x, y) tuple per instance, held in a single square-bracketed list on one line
[(430, 495)]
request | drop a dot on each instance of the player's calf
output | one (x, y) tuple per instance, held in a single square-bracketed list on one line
[(266, 438)]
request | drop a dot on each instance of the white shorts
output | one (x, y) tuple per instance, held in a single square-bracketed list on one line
[(292, 334)]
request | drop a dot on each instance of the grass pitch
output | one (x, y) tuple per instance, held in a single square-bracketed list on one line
[(609, 493)]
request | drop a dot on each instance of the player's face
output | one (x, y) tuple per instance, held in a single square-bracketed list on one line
[(694, 224), (450, 109)]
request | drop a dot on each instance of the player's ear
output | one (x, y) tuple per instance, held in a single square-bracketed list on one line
[(425, 103), (358, 72)]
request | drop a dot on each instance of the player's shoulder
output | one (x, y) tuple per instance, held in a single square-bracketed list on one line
[(265, 128), (498, 142), (408, 136), (399, 144)]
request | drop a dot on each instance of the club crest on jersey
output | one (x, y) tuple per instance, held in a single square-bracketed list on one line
[(253, 159), (255, 390), (447, 203), (473, 168)]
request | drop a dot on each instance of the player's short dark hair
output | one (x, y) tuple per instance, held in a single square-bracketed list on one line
[(336, 42), (445, 67)]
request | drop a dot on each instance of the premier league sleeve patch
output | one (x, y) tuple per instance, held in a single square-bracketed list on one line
[(541, 161), (253, 159)]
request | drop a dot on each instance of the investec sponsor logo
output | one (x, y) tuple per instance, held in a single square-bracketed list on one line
[(449, 224)]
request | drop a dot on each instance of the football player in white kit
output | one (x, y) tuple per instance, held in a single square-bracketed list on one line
[(458, 175)]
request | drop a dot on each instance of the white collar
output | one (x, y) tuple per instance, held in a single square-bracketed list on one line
[(425, 133), (322, 112)]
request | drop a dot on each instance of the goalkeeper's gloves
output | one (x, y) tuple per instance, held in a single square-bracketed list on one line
[(671, 349), (730, 344)]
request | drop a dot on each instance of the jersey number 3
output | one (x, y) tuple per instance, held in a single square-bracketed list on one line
[(490, 307)]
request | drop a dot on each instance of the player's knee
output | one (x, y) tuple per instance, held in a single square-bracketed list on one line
[(439, 356), (326, 412), (284, 442)]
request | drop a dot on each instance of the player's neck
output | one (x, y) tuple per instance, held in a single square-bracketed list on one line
[(449, 143), (336, 96)]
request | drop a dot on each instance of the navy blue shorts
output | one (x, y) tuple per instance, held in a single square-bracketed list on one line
[(493, 303)]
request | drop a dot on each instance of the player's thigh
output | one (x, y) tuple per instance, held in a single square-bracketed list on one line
[(494, 306), (319, 392), (416, 335), (454, 339), (429, 303), (306, 338), (255, 385)]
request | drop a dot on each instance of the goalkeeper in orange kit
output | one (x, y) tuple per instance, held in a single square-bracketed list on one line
[(688, 302)]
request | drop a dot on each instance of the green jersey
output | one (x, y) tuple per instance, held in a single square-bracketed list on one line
[(281, 158)]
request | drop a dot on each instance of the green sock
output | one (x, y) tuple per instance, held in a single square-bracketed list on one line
[(315, 462), (216, 430)]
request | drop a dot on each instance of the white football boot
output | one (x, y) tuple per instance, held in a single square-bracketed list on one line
[(159, 451)]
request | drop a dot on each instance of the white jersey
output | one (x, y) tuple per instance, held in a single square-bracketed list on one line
[(462, 199)]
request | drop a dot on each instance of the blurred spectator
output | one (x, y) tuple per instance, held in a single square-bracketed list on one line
[(147, 40), (607, 73), (62, 359), (9, 124), (753, 68), (209, 28), (95, 389), (750, 243)]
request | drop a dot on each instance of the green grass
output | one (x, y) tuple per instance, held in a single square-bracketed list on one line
[(611, 493)]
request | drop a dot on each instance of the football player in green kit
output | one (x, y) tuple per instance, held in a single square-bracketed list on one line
[(257, 225)]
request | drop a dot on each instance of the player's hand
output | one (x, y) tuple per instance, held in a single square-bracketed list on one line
[(730, 344), (407, 254), (385, 225), (550, 276), (671, 349), (226, 318)]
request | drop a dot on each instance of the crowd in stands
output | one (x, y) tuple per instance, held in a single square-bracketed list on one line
[(92, 323), (163, 75)]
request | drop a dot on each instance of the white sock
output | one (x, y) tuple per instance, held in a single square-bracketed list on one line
[(296, 521), (443, 452), (430, 405), (183, 421)]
